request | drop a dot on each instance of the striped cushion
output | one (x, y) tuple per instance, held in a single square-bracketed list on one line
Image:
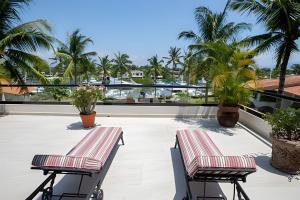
[(90, 153), (199, 152), (57, 161)]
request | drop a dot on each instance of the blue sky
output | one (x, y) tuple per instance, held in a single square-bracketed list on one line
[(141, 28)]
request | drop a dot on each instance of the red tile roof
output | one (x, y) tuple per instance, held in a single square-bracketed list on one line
[(13, 90), (292, 84)]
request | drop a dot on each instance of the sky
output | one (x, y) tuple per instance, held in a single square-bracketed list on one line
[(140, 28)]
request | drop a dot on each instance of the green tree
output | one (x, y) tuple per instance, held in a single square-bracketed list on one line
[(156, 67), (231, 71), (74, 53), (281, 19), (213, 27), (87, 68), (19, 44), (122, 65), (105, 65), (174, 59), (296, 69), (263, 73), (188, 66)]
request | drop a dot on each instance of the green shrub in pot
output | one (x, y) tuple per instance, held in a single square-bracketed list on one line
[(285, 125)]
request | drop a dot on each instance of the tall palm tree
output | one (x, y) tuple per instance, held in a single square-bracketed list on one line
[(122, 64), (105, 65), (155, 67), (281, 19), (87, 68), (74, 52), (174, 59), (19, 44), (213, 26), (188, 65)]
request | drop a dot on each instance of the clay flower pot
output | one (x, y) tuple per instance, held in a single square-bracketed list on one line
[(88, 121), (286, 155), (228, 116)]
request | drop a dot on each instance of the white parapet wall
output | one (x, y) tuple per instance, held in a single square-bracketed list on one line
[(115, 110), (256, 124)]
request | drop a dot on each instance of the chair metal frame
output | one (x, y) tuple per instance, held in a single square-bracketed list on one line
[(94, 193), (217, 175)]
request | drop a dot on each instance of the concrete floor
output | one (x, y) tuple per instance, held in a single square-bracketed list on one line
[(147, 167)]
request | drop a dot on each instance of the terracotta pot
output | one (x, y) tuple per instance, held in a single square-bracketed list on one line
[(88, 120), (228, 116), (286, 155)]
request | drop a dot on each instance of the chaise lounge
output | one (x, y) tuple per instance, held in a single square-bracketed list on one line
[(87, 158), (203, 162)]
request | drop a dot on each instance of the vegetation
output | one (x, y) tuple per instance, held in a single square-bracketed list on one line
[(174, 59), (121, 65), (18, 44), (73, 53), (85, 98), (285, 123), (156, 68), (104, 65), (231, 72), (282, 22), (213, 27)]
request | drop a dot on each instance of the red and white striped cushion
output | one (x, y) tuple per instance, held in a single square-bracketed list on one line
[(58, 161), (199, 152), (90, 153)]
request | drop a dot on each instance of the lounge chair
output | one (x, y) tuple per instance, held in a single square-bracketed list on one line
[(87, 158), (203, 162)]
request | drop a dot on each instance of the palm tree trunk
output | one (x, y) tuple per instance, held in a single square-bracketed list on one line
[(75, 71), (283, 68), (155, 82)]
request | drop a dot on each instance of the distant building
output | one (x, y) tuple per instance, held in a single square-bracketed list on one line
[(14, 93), (176, 73), (265, 103), (291, 86), (134, 74)]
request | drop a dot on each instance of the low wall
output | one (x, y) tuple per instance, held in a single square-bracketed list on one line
[(115, 110), (255, 123)]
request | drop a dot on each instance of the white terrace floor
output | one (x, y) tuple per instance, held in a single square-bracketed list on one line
[(146, 168)]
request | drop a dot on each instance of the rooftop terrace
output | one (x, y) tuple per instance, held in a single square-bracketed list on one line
[(147, 167)]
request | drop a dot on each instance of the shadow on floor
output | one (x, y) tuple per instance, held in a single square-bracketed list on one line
[(263, 160), (78, 126), (212, 189), (70, 183), (210, 124)]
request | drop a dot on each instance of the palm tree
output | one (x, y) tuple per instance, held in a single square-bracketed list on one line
[(188, 65), (122, 64), (174, 59), (155, 67), (296, 69), (281, 19), (105, 66), (19, 44), (74, 52), (213, 27), (233, 69), (87, 67)]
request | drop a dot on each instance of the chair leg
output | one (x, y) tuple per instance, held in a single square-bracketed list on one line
[(122, 139)]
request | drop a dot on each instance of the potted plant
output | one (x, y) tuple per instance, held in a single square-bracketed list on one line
[(84, 98), (231, 71), (285, 125), (130, 99)]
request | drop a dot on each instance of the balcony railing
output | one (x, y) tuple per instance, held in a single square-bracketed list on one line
[(114, 94), (168, 95)]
